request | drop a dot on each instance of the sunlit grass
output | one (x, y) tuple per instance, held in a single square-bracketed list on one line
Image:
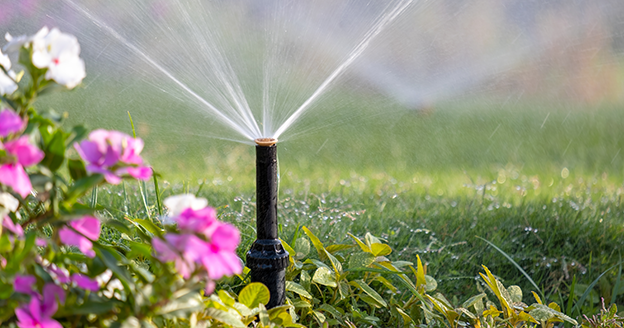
[(543, 183)]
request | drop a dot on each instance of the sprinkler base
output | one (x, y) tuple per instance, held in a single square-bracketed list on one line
[(267, 259)]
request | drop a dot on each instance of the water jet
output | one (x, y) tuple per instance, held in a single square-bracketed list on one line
[(267, 258)]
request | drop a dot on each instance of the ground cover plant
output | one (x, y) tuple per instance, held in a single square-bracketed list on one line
[(83, 244)]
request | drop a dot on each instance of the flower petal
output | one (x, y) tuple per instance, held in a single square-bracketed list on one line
[(10, 122), (26, 153), (88, 226), (69, 237), (14, 176), (226, 237), (24, 319), (24, 284), (14, 228), (85, 282), (178, 203), (51, 293)]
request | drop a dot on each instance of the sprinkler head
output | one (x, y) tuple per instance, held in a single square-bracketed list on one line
[(266, 142)]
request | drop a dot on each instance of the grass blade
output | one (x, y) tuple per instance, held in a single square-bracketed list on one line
[(591, 286), (132, 125), (157, 191), (571, 297), (516, 265), (142, 185), (616, 286), (94, 196)]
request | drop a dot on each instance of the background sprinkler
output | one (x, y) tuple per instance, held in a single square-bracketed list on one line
[(267, 258)]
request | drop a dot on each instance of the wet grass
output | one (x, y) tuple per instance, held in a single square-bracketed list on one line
[(542, 182), (570, 229)]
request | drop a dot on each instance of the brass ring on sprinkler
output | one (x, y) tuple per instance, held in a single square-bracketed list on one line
[(266, 142)]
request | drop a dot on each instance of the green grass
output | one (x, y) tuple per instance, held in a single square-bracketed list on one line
[(542, 182)]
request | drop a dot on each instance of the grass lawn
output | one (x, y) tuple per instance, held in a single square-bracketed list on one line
[(542, 182)]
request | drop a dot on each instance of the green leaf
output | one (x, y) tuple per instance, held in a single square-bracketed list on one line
[(78, 132), (263, 316), (337, 248), (370, 301), (406, 318), (320, 317), (91, 307), (371, 292), (430, 283), (361, 260), (149, 226), (330, 309), (181, 307), (380, 249), (77, 169), (515, 293), (296, 288), (253, 294), (386, 283), (541, 311), (316, 242), (139, 250), (370, 240), (343, 289), (363, 246), (224, 317), (302, 248), (54, 151), (81, 187), (301, 304), (526, 275), (473, 300), (110, 261), (226, 298), (305, 279), (541, 314), (335, 264), (420, 273), (324, 276)]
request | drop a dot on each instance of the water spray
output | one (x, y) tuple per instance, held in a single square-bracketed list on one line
[(267, 258)]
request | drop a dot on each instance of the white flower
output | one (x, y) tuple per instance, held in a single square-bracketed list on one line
[(59, 53), (178, 203), (15, 43), (67, 70), (8, 204), (7, 83), (5, 61)]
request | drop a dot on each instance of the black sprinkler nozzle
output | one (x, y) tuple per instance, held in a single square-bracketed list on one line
[(267, 259)]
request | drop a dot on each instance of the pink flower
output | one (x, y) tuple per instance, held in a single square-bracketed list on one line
[(217, 256), (220, 259), (113, 154), (23, 154), (199, 221), (210, 287), (85, 282), (14, 228), (88, 227), (38, 313), (183, 250), (59, 274), (24, 284), (10, 122)]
